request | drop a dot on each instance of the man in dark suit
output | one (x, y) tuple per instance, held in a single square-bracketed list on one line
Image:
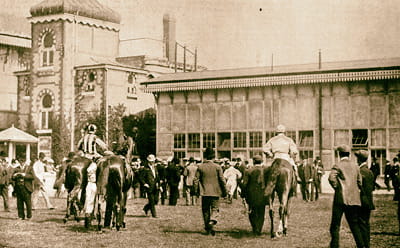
[(212, 187), (376, 170), (23, 188), (253, 191), (367, 204), (150, 181), (162, 174), (345, 179), (173, 176)]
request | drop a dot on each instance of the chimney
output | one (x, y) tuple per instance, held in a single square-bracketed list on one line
[(169, 37)]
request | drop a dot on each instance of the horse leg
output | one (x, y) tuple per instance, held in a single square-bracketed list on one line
[(286, 217), (123, 208), (98, 213), (271, 214)]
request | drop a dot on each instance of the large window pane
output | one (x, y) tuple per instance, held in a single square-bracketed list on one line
[(306, 138), (179, 140), (224, 140), (194, 140), (209, 140), (255, 139), (239, 140)]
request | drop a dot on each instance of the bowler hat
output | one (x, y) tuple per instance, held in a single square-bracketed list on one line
[(257, 159), (343, 148), (151, 158), (362, 154)]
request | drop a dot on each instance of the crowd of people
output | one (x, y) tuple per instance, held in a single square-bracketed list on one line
[(167, 180)]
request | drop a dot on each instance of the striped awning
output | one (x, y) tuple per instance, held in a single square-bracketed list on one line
[(301, 78)]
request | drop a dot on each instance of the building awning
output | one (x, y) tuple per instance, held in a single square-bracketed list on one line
[(16, 41), (271, 80), (16, 135)]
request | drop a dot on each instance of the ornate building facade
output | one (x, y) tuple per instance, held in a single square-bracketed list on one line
[(76, 69), (236, 111)]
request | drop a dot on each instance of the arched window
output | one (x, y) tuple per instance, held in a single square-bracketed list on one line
[(46, 111), (47, 50), (91, 82)]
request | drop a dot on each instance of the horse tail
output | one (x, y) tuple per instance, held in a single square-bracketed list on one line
[(115, 181)]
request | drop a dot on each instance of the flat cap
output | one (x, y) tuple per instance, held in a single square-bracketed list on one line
[(362, 154), (343, 148)]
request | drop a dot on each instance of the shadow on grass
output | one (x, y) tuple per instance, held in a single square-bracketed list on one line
[(81, 228), (55, 220), (8, 218), (237, 234), (385, 233), (136, 216)]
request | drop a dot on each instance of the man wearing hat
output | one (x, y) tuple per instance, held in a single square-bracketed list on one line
[(345, 179), (191, 185), (367, 203), (150, 180), (212, 187), (253, 191)]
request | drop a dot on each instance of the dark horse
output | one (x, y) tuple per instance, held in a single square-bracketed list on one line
[(114, 178), (75, 183), (280, 179)]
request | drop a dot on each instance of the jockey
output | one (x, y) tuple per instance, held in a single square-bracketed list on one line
[(282, 147), (89, 142)]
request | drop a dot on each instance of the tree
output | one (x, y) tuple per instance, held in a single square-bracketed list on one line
[(142, 128), (61, 138)]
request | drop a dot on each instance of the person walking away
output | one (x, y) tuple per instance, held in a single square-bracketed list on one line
[(173, 179), (302, 180), (151, 184), (388, 169), (23, 187), (394, 176), (232, 176), (191, 185), (162, 174), (4, 182), (320, 172), (38, 187), (309, 179), (212, 186), (376, 170), (345, 179), (253, 191), (367, 203)]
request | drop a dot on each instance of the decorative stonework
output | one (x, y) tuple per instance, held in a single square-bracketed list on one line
[(43, 93), (44, 32)]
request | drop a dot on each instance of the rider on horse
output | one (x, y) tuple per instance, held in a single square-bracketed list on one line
[(280, 147), (88, 145)]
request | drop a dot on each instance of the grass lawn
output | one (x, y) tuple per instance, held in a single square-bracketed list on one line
[(182, 226)]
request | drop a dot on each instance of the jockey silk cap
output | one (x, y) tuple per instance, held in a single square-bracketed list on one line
[(343, 148), (280, 129), (362, 153), (151, 158)]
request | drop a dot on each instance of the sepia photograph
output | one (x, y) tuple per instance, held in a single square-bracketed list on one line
[(200, 123)]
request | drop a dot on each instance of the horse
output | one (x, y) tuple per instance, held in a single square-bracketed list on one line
[(114, 179), (75, 183), (280, 179)]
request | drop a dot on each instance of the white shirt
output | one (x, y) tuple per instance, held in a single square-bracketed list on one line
[(38, 169)]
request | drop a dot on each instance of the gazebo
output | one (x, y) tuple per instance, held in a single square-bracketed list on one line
[(15, 136)]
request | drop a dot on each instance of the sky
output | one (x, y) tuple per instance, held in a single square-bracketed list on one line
[(245, 33)]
